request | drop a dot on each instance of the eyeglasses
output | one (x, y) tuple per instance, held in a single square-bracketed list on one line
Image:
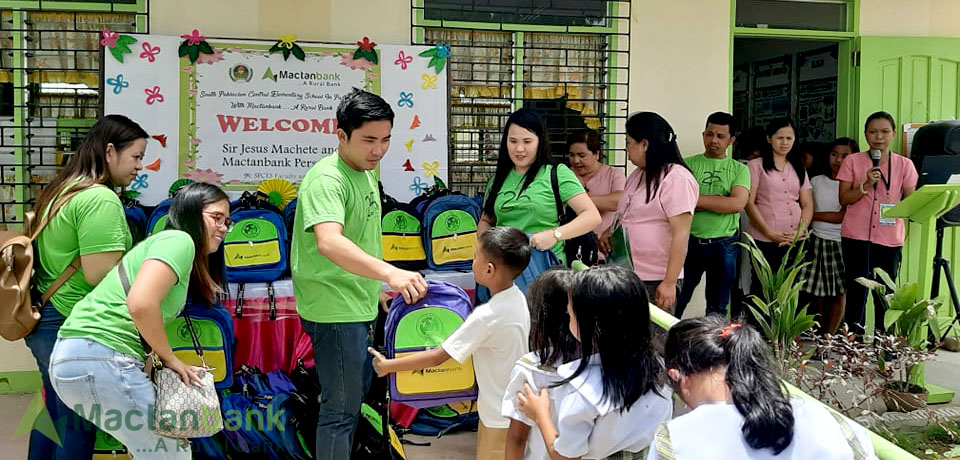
[(221, 220)]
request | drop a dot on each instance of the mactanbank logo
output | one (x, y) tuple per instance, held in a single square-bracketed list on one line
[(38, 418)]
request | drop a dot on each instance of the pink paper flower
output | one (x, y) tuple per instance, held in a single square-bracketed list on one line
[(192, 91), (188, 69), (193, 39), (190, 163), (204, 175), (109, 38), (355, 64), (217, 56), (195, 141)]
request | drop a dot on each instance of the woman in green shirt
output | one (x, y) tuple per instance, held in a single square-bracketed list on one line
[(87, 236), (97, 365), (520, 194)]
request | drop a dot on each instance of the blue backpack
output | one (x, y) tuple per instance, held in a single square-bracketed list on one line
[(423, 326), (136, 220), (215, 331), (440, 420), (450, 231), (540, 261), (158, 218), (256, 250)]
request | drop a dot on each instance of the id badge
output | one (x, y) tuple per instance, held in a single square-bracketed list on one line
[(886, 220)]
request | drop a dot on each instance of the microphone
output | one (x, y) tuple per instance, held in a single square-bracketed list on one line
[(875, 157)]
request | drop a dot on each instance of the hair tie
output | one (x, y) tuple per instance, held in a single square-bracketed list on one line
[(727, 330)]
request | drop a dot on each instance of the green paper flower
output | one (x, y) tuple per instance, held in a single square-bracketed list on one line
[(438, 56), (287, 46)]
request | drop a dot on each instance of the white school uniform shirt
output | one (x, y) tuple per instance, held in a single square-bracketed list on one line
[(529, 370), (496, 335), (590, 426), (826, 198), (712, 431)]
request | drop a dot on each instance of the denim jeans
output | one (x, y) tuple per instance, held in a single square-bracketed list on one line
[(76, 435), (717, 258), (345, 371), (111, 390)]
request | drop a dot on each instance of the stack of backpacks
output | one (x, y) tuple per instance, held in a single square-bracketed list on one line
[(437, 230)]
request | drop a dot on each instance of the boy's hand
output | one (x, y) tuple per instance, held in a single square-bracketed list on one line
[(534, 406), (378, 362)]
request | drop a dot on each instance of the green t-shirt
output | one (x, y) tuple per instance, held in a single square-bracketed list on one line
[(717, 178), (103, 315), (332, 192), (91, 222), (535, 209)]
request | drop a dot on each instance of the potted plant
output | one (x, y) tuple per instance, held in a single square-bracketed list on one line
[(778, 312), (909, 319)]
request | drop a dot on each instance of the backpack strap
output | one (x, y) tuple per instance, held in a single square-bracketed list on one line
[(60, 281), (852, 440), (35, 233), (664, 446)]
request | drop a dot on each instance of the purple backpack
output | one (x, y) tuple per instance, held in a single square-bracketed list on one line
[(424, 326)]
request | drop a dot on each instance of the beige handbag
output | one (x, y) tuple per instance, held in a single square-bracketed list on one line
[(182, 411)]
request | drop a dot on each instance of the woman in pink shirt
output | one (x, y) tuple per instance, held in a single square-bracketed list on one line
[(604, 183), (869, 240), (656, 208), (781, 203)]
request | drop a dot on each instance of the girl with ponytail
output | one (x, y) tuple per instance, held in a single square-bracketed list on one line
[(656, 207), (738, 407)]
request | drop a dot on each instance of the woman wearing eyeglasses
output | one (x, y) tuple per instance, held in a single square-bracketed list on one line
[(97, 364)]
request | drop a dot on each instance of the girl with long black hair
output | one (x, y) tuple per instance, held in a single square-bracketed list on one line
[(611, 400), (551, 345), (520, 193), (738, 407)]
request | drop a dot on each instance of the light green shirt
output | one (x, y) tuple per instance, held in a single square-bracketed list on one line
[(717, 177), (103, 315), (332, 192), (535, 209), (91, 222)]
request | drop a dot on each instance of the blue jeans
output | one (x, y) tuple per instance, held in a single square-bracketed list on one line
[(717, 257), (111, 390), (76, 435), (344, 370)]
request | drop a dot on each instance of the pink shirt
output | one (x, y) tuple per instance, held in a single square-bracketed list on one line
[(778, 197), (888, 232), (606, 181), (647, 223)]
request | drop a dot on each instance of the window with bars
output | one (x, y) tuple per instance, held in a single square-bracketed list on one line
[(575, 76), (50, 89)]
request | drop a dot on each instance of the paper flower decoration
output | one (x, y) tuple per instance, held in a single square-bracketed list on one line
[(365, 50), (193, 45), (278, 192), (117, 44), (438, 56), (287, 45)]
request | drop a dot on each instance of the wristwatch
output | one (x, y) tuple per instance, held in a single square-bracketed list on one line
[(557, 234)]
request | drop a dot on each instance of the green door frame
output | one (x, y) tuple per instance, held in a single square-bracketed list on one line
[(847, 124)]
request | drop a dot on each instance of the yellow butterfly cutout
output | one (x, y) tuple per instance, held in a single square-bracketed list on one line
[(429, 81), (430, 169), (409, 145)]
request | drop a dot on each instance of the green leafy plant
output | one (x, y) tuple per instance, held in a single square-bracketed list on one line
[(778, 312), (908, 315)]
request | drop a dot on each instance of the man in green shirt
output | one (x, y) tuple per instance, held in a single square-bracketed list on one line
[(724, 190), (337, 265)]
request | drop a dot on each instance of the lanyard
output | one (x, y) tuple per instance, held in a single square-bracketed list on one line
[(886, 179)]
